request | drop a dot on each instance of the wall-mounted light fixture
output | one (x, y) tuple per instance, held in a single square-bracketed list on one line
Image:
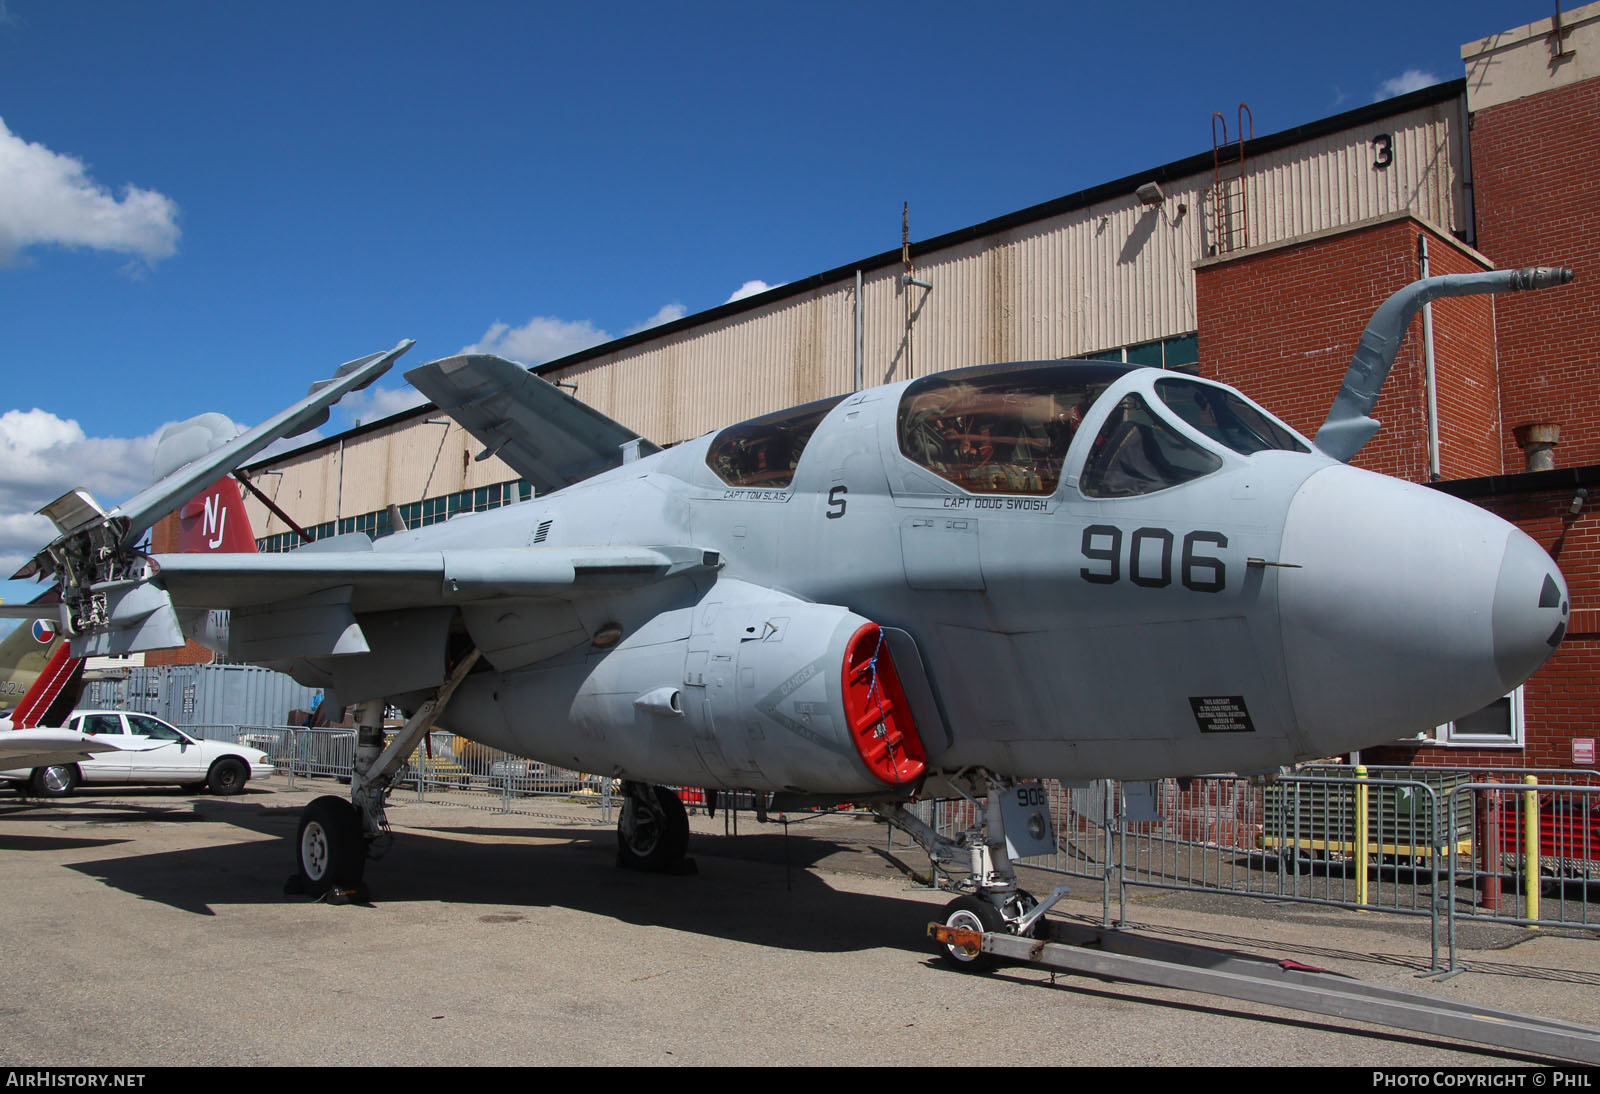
[(1150, 194)]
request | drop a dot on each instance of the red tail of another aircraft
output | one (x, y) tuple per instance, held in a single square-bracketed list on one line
[(215, 521)]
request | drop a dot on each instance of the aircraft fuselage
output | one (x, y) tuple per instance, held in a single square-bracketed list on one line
[(1169, 599)]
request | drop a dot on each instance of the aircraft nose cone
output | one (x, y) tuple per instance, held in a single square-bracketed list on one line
[(1402, 608), (1529, 617)]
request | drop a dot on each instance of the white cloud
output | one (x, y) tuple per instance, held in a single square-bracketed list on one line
[(42, 457), (750, 288), (1412, 79), (542, 338), (668, 313), (375, 402), (49, 198), (545, 338)]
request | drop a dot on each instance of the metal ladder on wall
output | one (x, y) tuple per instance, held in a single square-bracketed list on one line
[(1229, 201)]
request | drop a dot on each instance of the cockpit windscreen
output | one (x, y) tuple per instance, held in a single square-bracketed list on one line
[(1226, 418)]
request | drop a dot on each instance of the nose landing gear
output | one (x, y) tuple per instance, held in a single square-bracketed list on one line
[(993, 901)]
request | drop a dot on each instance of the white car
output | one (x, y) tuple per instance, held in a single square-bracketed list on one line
[(147, 750)]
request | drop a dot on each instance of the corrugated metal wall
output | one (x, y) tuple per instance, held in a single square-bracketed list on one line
[(201, 695), (1111, 274)]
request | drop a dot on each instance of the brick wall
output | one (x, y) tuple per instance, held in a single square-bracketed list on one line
[(1281, 325), (1536, 174)]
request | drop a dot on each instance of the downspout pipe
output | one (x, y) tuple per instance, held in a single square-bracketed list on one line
[(1349, 424), (1432, 381), (859, 362)]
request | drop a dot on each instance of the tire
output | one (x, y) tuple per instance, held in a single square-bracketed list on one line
[(329, 850), (54, 782), (645, 842), (973, 914), (227, 776)]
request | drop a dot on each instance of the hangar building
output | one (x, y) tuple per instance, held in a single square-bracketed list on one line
[(1256, 262)]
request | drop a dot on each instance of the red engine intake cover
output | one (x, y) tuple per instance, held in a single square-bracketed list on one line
[(881, 725)]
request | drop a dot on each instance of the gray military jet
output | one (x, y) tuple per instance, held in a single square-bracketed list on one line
[(940, 586)]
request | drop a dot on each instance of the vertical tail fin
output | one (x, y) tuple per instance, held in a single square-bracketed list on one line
[(38, 669), (215, 521), (53, 694)]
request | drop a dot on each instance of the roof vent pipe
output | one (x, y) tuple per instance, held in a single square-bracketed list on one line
[(1538, 441)]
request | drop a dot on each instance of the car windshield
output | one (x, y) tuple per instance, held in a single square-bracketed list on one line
[(152, 728)]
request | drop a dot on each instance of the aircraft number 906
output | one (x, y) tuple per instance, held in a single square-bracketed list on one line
[(1149, 558)]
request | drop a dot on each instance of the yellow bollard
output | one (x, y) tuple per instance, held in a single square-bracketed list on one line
[(1530, 848), (1362, 791)]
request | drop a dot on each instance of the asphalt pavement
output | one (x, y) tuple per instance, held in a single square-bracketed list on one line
[(144, 928)]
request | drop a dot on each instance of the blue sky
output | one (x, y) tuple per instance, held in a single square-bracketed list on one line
[(205, 206)]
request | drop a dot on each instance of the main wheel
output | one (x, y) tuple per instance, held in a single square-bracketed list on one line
[(329, 848), (969, 913), (652, 839), (227, 776), (54, 782)]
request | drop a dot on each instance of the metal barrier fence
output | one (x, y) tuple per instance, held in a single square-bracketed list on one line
[(1510, 845), (443, 763), (1440, 843)]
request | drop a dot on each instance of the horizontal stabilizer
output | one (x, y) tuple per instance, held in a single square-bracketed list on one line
[(541, 432)]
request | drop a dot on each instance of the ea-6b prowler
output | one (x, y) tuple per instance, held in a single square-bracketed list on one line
[(1049, 569)]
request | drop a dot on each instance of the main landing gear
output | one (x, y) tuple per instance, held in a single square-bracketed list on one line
[(336, 837), (992, 901), (653, 831)]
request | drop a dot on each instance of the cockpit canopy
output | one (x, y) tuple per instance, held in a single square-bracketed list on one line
[(1003, 429), (765, 451), (1006, 429)]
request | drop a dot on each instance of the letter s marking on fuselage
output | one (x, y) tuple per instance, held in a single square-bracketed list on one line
[(836, 498)]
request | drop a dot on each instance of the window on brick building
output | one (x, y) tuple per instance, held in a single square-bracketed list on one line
[(1498, 725)]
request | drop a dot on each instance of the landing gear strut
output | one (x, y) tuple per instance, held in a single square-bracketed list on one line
[(336, 837), (653, 831), (992, 901)]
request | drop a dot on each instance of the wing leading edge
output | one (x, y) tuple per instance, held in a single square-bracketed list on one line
[(304, 604)]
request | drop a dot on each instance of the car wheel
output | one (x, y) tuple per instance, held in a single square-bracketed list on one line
[(329, 849), (227, 776), (54, 782)]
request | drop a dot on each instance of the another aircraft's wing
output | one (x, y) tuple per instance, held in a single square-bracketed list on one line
[(541, 432), (45, 747), (88, 530)]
